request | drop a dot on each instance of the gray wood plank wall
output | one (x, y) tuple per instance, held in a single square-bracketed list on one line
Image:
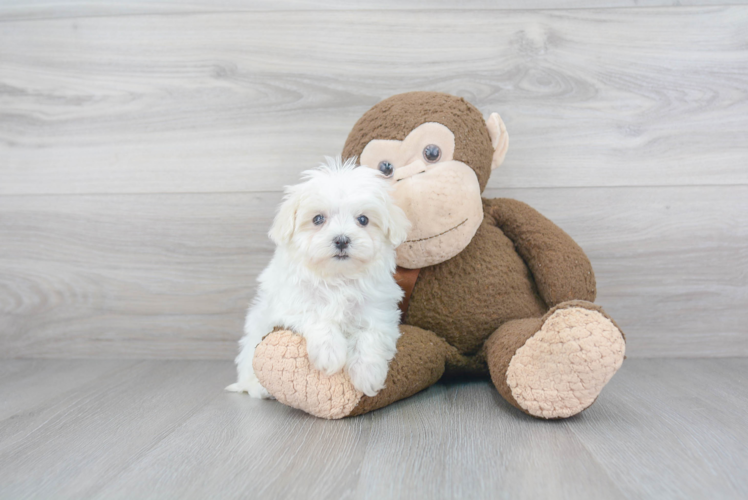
[(143, 147)]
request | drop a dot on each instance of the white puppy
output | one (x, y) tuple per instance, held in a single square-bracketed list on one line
[(331, 278)]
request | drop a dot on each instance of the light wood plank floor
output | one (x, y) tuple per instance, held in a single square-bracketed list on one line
[(664, 428)]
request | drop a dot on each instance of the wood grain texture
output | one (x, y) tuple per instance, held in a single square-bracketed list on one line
[(150, 276), (27, 384), (465, 441), (143, 146), (661, 429), (132, 276), (82, 440), (242, 101), (46, 9), (704, 405)]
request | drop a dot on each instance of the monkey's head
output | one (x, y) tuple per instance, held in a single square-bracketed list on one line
[(438, 153)]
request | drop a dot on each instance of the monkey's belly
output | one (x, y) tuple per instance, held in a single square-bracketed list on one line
[(466, 298)]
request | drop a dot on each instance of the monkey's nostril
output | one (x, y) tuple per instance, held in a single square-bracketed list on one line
[(341, 242)]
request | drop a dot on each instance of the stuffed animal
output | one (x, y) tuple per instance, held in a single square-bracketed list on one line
[(492, 287)]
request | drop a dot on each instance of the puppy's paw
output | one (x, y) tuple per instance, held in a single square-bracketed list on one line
[(328, 355), (252, 387), (368, 376)]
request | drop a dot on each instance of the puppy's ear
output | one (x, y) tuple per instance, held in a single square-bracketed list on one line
[(397, 225), (284, 223)]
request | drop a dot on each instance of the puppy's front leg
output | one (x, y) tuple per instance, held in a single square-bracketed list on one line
[(326, 346), (368, 363)]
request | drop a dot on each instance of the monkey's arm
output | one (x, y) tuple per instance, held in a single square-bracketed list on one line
[(561, 269)]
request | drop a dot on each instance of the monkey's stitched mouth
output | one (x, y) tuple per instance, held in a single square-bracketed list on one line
[(403, 178), (437, 235)]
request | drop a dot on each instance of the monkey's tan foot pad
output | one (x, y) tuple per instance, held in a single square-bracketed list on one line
[(283, 368), (562, 368)]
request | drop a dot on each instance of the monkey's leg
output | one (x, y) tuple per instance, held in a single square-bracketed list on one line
[(282, 366), (556, 366)]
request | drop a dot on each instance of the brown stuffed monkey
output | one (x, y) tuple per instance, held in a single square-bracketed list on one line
[(492, 287)]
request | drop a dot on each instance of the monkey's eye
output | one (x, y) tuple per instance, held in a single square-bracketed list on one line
[(386, 168), (318, 219), (432, 153), (363, 220)]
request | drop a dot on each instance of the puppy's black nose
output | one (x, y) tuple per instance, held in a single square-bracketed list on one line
[(341, 242)]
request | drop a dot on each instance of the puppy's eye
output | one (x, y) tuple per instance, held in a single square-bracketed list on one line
[(363, 220), (432, 153), (318, 219), (386, 168)]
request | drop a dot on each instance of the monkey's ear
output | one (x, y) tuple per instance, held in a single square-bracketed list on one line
[(285, 220), (499, 139), (397, 225)]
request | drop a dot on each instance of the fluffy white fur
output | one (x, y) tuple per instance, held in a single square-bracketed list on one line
[(344, 302)]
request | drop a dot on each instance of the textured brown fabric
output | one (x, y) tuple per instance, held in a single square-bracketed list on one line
[(500, 276), (418, 364), (500, 348), (394, 118), (466, 298), (462, 366), (559, 266), (406, 279)]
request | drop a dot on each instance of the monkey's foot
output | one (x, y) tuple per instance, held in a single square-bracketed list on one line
[(562, 368), (282, 365)]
